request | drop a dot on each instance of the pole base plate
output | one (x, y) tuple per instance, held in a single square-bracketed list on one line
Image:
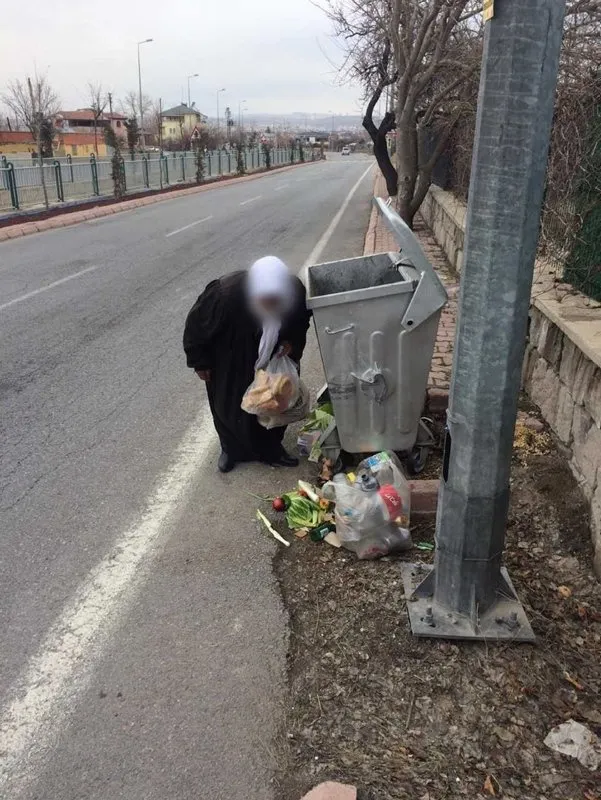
[(505, 621)]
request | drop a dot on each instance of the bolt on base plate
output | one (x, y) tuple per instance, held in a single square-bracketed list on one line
[(506, 620)]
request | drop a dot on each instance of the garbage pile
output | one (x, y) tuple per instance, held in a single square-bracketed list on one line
[(366, 511)]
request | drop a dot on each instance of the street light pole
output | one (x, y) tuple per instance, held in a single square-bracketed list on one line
[(240, 112), (218, 130), (469, 595), (195, 75), (142, 142)]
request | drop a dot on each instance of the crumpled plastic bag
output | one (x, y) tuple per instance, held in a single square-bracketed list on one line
[(295, 413), (576, 740), (277, 395), (373, 523)]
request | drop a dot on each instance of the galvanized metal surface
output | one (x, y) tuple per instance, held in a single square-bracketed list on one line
[(515, 110), (376, 319), (506, 619)]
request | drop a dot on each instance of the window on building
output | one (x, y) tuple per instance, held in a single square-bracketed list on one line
[(118, 123)]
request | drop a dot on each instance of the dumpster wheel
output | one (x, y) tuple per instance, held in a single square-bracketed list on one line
[(416, 460)]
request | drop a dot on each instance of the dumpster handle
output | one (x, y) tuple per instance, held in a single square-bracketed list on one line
[(330, 332)]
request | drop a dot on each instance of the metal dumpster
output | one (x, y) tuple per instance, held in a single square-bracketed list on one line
[(376, 319)]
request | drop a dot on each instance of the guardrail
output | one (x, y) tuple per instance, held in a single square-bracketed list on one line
[(66, 179)]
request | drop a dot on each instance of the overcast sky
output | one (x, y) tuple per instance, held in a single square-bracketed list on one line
[(274, 54)]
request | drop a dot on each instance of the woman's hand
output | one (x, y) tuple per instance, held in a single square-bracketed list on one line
[(285, 349), (203, 374)]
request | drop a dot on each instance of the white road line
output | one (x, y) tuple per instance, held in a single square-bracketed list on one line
[(185, 228), (46, 288), (251, 200), (44, 696), (323, 241), (283, 186)]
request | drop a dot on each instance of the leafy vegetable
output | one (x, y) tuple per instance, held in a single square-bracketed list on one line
[(302, 512)]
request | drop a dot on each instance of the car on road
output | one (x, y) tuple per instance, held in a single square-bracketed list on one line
[(346, 150)]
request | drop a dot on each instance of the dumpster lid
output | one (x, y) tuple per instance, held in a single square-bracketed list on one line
[(431, 293)]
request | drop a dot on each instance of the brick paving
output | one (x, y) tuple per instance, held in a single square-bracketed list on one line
[(379, 240)]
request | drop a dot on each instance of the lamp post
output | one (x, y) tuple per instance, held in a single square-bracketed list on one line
[(240, 116), (142, 142), (218, 93), (331, 131), (195, 75)]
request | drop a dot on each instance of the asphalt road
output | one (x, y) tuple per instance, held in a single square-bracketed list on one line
[(142, 637)]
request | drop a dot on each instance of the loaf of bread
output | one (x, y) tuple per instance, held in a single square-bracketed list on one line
[(268, 394)]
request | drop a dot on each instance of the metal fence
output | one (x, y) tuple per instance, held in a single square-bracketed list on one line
[(67, 178)]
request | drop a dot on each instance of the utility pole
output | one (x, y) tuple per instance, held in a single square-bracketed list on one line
[(110, 97), (161, 142), (194, 75), (218, 93), (142, 142), (468, 594), (37, 118)]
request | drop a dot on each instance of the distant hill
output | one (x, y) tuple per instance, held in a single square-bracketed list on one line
[(305, 121)]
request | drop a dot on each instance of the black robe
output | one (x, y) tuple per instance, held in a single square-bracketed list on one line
[(223, 336)]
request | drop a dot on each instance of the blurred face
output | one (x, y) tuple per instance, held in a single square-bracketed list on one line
[(269, 304)]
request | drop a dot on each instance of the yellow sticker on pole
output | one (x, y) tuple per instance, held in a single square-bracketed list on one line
[(488, 10)]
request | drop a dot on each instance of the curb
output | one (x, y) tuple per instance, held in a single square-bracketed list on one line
[(63, 220), (437, 400), (424, 497)]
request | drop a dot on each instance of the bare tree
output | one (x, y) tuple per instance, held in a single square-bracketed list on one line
[(153, 121), (98, 102), (34, 105), (130, 105), (425, 55), (422, 53)]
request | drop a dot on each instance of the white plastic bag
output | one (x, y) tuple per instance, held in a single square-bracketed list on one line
[(274, 390), (295, 413)]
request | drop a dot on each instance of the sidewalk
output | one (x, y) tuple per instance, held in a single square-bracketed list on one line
[(379, 239), (396, 716)]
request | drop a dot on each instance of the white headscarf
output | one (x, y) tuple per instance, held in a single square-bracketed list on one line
[(269, 277)]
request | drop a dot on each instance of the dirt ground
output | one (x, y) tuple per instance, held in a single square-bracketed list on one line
[(402, 717)]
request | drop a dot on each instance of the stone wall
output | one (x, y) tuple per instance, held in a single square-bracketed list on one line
[(566, 385), (562, 367), (445, 216)]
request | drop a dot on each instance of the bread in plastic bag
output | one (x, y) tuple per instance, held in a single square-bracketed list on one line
[(274, 389), (295, 413)]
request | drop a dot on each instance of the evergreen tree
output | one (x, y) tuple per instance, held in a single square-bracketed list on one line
[(267, 154), (117, 167), (199, 163), (133, 135), (46, 136), (240, 166)]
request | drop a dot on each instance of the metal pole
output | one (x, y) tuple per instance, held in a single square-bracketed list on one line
[(160, 142), (142, 141), (218, 128), (468, 594), (195, 75)]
